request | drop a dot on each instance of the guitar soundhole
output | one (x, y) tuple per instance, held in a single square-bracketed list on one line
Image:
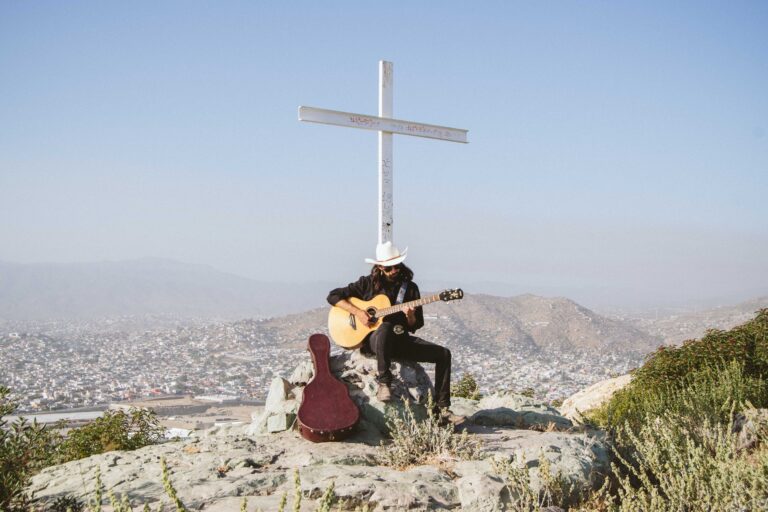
[(371, 312)]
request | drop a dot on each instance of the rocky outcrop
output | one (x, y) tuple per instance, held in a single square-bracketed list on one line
[(214, 469), (217, 468), (592, 397)]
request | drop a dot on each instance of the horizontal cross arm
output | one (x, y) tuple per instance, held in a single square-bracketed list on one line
[(381, 124)]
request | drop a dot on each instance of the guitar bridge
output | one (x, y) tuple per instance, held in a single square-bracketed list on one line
[(352, 321)]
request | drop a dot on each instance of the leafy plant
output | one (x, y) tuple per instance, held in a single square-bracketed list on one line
[(24, 449), (696, 377), (115, 430), (706, 394)]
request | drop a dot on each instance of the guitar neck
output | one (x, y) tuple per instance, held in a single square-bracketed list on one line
[(412, 304)]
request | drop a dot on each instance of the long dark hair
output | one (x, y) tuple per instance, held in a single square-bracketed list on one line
[(379, 279)]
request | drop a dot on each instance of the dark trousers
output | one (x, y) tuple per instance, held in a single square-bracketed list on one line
[(386, 345)]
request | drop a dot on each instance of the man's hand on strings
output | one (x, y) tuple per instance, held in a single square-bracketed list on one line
[(364, 319)]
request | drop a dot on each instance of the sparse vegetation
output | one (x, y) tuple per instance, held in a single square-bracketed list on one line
[(417, 442), (552, 490), (695, 469), (121, 503)]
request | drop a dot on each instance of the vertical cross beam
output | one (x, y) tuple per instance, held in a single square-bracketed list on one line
[(385, 154), (386, 126)]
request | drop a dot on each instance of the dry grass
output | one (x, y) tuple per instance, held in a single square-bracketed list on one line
[(417, 442)]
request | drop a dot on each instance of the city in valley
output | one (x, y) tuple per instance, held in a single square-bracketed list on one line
[(549, 347), (62, 365)]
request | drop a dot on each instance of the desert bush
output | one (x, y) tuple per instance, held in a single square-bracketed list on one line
[(116, 430), (466, 387), (696, 468), (552, 490), (416, 442)]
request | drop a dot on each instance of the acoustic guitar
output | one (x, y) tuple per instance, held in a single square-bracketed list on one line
[(326, 413), (347, 332)]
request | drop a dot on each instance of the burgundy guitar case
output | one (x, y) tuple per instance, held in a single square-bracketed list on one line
[(326, 413)]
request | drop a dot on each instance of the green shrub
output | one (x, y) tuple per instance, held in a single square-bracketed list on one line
[(697, 377), (706, 394), (24, 449), (747, 344), (466, 387), (115, 430)]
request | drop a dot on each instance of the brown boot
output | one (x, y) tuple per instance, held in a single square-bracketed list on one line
[(383, 394), (446, 417)]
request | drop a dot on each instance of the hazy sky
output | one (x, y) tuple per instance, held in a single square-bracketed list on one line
[(618, 150)]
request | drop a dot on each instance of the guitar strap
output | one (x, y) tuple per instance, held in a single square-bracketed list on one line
[(401, 293)]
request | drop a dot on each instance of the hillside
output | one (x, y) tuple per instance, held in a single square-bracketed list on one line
[(679, 327), (492, 323)]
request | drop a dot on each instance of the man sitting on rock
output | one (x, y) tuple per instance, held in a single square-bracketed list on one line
[(393, 339)]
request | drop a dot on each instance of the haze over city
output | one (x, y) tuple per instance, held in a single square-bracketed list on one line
[(617, 156)]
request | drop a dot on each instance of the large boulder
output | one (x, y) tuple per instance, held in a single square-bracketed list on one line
[(358, 372), (592, 397), (279, 411), (410, 383)]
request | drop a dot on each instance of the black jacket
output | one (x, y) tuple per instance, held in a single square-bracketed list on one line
[(363, 289)]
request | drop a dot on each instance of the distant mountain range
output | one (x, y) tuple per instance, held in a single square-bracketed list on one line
[(153, 286), (144, 287)]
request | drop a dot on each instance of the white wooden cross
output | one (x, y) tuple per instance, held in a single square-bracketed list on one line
[(386, 126)]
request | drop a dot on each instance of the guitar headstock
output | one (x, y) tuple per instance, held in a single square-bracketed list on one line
[(454, 294)]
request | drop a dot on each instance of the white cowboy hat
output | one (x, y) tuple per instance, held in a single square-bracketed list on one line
[(387, 255)]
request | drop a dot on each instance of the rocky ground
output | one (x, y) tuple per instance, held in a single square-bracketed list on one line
[(216, 468)]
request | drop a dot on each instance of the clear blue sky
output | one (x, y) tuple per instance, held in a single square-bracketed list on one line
[(618, 150)]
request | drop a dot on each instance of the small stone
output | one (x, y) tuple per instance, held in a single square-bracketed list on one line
[(750, 426), (279, 422), (302, 374)]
